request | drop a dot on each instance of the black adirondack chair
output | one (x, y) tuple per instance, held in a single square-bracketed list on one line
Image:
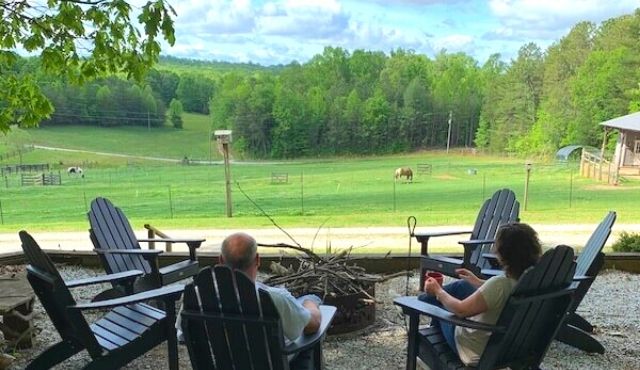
[(576, 331), (119, 250), (127, 330), (234, 326), (528, 323), (501, 208), (589, 263)]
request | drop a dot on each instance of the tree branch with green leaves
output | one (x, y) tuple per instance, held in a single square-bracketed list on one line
[(77, 40)]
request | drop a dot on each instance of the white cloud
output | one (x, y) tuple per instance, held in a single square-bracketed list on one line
[(541, 19), (314, 19), (455, 43)]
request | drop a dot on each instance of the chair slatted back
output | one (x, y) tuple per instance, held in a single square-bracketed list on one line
[(110, 229), (54, 295), (500, 209), (230, 325), (591, 259), (533, 313)]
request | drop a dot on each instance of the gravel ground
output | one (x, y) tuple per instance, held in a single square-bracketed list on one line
[(612, 305)]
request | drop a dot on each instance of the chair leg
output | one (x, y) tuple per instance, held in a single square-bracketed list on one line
[(318, 358), (579, 322), (172, 340), (578, 338), (412, 346), (54, 355)]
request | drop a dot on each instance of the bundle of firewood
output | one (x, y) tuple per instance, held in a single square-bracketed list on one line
[(330, 275)]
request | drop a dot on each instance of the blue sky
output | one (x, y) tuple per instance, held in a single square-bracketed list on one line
[(277, 32)]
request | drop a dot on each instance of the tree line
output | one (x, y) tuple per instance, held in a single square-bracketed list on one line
[(369, 102)]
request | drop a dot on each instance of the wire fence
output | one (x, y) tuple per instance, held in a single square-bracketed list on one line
[(449, 193)]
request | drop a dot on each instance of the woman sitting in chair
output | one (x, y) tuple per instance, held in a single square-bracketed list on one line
[(517, 247)]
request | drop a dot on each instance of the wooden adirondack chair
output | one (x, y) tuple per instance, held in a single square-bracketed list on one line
[(238, 327), (527, 325), (119, 250), (501, 208), (589, 263), (576, 330), (127, 330)]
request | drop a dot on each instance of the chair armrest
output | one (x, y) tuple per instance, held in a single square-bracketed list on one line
[(169, 293), (413, 306), (187, 241), (583, 278), (307, 341), (126, 275), (192, 244), (475, 242), (427, 235)]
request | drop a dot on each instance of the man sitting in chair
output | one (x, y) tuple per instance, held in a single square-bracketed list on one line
[(298, 316)]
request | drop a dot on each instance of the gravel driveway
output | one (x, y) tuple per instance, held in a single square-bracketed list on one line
[(612, 305)]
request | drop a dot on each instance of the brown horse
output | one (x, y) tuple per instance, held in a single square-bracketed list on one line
[(404, 171)]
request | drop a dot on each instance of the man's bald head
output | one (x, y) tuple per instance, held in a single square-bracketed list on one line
[(239, 251)]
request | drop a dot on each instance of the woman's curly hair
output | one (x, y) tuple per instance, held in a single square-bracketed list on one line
[(517, 247)]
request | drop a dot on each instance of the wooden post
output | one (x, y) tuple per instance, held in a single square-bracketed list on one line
[(227, 178), (527, 167), (604, 143), (223, 137), (302, 191), (619, 160), (449, 132)]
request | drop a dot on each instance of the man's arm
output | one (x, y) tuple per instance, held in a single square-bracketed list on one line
[(316, 316)]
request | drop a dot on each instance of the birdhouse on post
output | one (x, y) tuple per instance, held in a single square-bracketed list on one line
[(223, 137)]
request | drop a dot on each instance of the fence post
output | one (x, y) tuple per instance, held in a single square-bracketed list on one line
[(302, 191), (84, 195), (170, 202), (570, 187), (484, 185), (394, 195), (1, 214)]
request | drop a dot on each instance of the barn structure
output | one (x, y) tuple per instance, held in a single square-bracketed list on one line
[(626, 159)]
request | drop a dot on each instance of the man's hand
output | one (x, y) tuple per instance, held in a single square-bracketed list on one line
[(316, 316)]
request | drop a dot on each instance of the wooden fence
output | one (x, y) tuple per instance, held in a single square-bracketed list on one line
[(595, 167)]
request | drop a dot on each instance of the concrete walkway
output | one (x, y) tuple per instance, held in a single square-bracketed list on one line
[(367, 239)]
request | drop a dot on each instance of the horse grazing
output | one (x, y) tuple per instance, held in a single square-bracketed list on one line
[(404, 171), (75, 171)]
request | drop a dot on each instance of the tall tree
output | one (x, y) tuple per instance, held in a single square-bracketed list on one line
[(75, 39)]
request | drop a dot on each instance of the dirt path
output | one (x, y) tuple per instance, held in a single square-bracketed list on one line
[(367, 239)]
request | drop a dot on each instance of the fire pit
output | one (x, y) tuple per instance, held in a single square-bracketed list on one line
[(354, 311), (337, 280)]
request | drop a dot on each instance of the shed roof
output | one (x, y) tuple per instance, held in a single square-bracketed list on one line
[(563, 153), (628, 122)]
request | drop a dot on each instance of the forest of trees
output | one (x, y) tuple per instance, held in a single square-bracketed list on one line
[(369, 102)]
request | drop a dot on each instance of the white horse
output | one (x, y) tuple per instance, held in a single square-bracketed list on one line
[(404, 171), (75, 171)]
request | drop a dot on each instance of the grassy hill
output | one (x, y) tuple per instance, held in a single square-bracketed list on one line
[(192, 141)]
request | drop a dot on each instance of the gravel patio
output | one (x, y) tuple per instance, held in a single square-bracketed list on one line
[(612, 305)]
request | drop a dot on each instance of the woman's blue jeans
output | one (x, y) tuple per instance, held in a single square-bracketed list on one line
[(459, 289)]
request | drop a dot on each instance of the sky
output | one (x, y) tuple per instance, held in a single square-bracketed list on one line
[(270, 32)]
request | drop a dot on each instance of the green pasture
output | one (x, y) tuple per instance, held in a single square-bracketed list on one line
[(339, 192), (334, 192)]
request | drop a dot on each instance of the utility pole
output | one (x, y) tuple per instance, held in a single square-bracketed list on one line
[(449, 132)]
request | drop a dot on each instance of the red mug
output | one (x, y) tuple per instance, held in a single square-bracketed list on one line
[(436, 275)]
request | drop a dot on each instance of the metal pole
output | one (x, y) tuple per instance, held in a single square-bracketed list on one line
[(170, 202), (570, 187), (526, 188), (394, 195), (449, 132), (227, 176)]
